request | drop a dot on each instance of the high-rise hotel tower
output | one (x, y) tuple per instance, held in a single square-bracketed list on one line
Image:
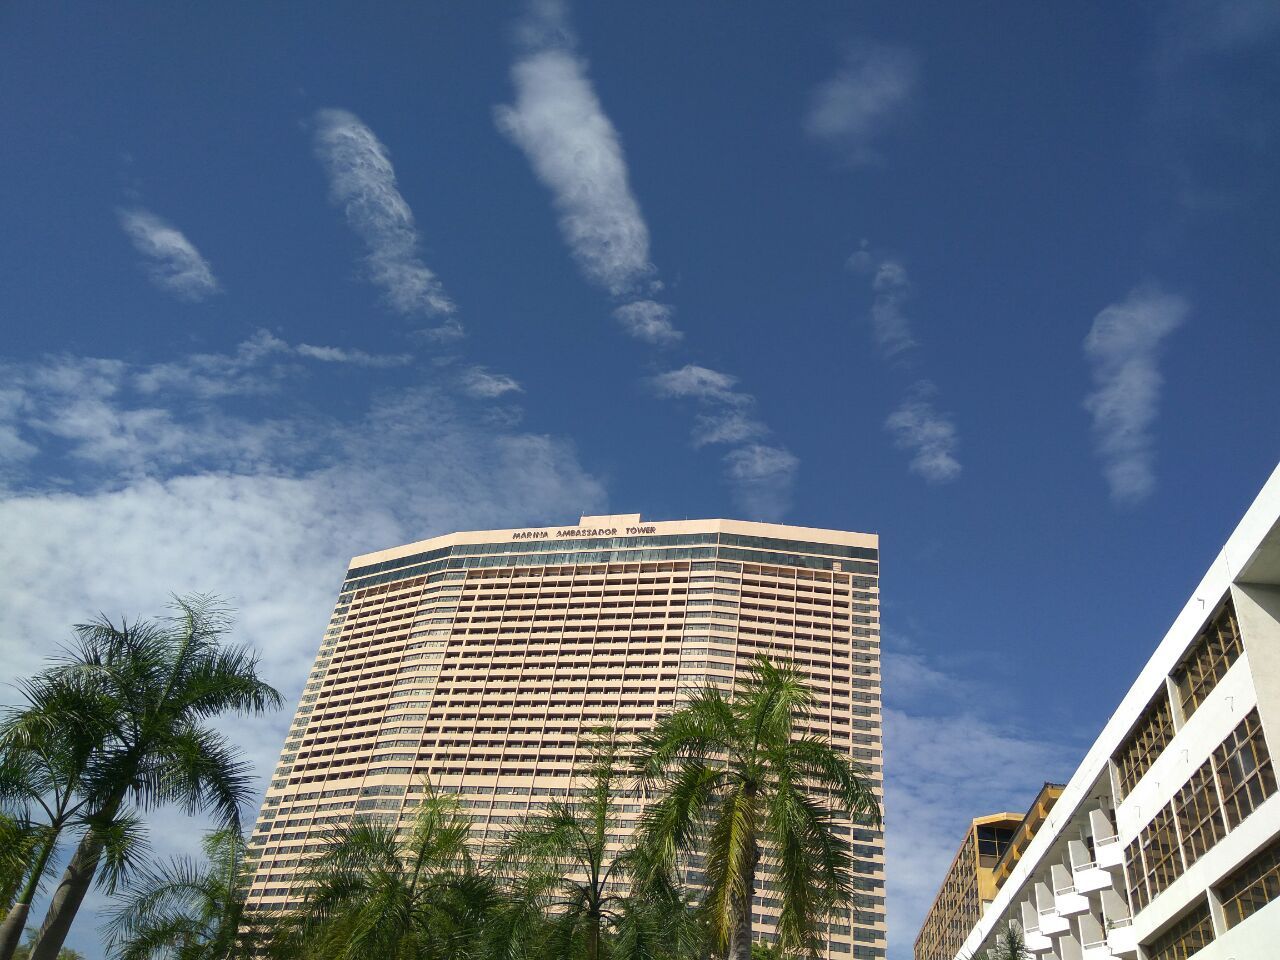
[(478, 660)]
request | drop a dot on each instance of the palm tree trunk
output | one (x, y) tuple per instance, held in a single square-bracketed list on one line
[(16, 919), (11, 929), (740, 938), (68, 896)]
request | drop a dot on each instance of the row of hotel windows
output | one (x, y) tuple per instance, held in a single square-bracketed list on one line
[(1212, 653), (1224, 791), (707, 556), (1248, 889), (614, 543)]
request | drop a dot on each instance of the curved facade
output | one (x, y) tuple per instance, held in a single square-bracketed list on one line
[(479, 659)]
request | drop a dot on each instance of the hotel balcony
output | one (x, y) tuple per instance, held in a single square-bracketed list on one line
[(1052, 924), (1119, 924), (1036, 941), (1086, 875), (1093, 939), (1108, 852), (1067, 901)]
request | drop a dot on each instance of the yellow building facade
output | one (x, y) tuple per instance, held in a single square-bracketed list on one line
[(991, 846)]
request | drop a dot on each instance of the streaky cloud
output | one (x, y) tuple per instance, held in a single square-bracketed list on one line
[(558, 122), (891, 287), (700, 383), (483, 383), (1123, 349), (850, 109), (362, 182), (172, 261), (649, 321), (929, 435), (355, 358), (763, 477)]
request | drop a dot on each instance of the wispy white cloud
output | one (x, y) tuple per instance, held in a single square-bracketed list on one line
[(559, 124), (261, 505), (484, 383), (1123, 348), (762, 477), (916, 425), (172, 261), (891, 286), (928, 434), (700, 383), (362, 182), (871, 88), (355, 358), (726, 416), (257, 365), (649, 321), (954, 749), (250, 368), (730, 425), (942, 769), (144, 419)]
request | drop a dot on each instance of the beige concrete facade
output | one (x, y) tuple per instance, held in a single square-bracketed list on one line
[(478, 659)]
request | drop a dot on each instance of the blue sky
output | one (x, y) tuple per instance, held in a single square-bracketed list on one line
[(284, 284)]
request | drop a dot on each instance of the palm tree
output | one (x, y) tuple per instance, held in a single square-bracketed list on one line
[(737, 781), (66, 953), (1010, 944), (566, 858), (369, 894), (45, 748), (18, 839), (151, 688), (188, 910)]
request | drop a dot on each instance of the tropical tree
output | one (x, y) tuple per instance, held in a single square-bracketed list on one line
[(190, 910), (147, 691), (1010, 944), (569, 858), (45, 748), (66, 953), (737, 780), (371, 894), (18, 838)]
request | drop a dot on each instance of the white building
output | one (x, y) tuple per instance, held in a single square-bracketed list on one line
[(1166, 841)]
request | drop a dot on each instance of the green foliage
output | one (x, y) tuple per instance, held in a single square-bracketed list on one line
[(560, 860), (118, 726), (371, 895), (1010, 945), (190, 910), (736, 784), (18, 840), (24, 951)]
